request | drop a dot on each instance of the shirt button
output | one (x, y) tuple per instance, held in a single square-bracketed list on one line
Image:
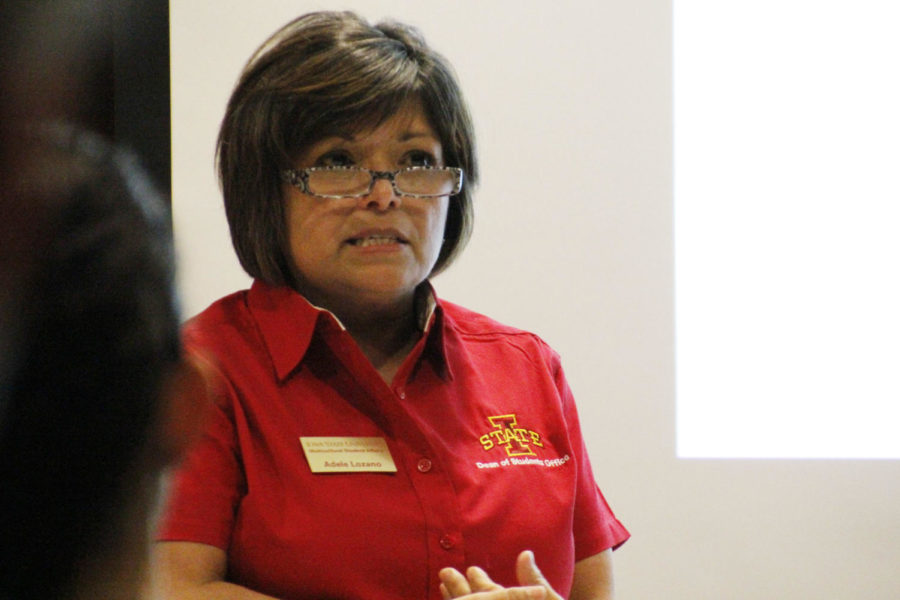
[(424, 465), (447, 542), (402, 395)]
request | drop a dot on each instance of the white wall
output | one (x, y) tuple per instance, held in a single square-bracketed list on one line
[(573, 240)]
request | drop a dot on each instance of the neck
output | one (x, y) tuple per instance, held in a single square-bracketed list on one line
[(385, 331), (386, 341)]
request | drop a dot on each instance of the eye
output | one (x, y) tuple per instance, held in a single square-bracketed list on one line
[(419, 158), (335, 158)]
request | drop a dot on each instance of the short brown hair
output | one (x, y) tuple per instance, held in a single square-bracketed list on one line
[(321, 74)]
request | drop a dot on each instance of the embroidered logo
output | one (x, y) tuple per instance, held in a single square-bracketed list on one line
[(506, 433)]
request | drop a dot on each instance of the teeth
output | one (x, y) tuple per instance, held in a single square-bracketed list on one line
[(376, 240)]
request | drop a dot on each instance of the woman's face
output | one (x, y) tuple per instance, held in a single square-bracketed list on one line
[(379, 247)]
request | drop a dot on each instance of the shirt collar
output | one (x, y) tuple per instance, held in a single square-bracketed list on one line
[(287, 322), (432, 324)]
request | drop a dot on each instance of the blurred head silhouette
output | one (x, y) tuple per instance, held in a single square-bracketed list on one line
[(96, 399)]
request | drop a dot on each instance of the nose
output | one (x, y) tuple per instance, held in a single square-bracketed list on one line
[(382, 196)]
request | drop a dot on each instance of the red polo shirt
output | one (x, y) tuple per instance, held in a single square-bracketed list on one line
[(480, 424)]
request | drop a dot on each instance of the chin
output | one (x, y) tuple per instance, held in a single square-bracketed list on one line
[(386, 288)]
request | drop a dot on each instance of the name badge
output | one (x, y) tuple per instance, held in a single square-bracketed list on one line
[(348, 455)]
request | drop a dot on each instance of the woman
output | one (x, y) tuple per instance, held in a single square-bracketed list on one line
[(371, 440)]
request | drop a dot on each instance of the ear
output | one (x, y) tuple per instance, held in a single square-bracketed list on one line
[(186, 399)]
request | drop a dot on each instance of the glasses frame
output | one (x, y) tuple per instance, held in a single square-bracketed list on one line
[(299, 178)]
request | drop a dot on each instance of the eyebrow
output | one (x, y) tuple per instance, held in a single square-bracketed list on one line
[(409, 135)]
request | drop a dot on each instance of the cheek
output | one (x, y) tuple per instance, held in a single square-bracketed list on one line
[(305, 231), (295, 232), (437, 225)]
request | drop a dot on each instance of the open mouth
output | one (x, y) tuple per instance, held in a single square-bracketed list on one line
[(375, 240)]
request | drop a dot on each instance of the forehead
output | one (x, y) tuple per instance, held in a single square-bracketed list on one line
[(409, 124), (410, 120)]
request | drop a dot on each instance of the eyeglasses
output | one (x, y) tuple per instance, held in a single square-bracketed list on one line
[(355, 182)]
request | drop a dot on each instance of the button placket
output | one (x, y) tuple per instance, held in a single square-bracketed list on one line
[(432, 485)]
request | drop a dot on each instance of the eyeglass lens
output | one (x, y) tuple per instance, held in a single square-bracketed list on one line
[(358, 182)]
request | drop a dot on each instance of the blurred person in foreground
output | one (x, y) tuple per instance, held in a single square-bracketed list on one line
[(372, 441), (96, 398)]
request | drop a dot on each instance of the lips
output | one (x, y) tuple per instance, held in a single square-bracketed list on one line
[(376, 238), (375, 241)]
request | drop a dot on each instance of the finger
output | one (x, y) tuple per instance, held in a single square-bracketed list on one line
[(444, 593), (479, 580), (531, 592), (528, 574), (453, 582)]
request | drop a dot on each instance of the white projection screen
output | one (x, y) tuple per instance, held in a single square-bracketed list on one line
[(787, 228)]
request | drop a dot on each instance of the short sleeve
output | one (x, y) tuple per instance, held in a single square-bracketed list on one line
[(595, 527), (207, 486)]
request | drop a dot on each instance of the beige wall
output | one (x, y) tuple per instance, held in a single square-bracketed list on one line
[(572, 103)]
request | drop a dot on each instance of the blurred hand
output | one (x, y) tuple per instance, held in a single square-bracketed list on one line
[(477, 585)]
